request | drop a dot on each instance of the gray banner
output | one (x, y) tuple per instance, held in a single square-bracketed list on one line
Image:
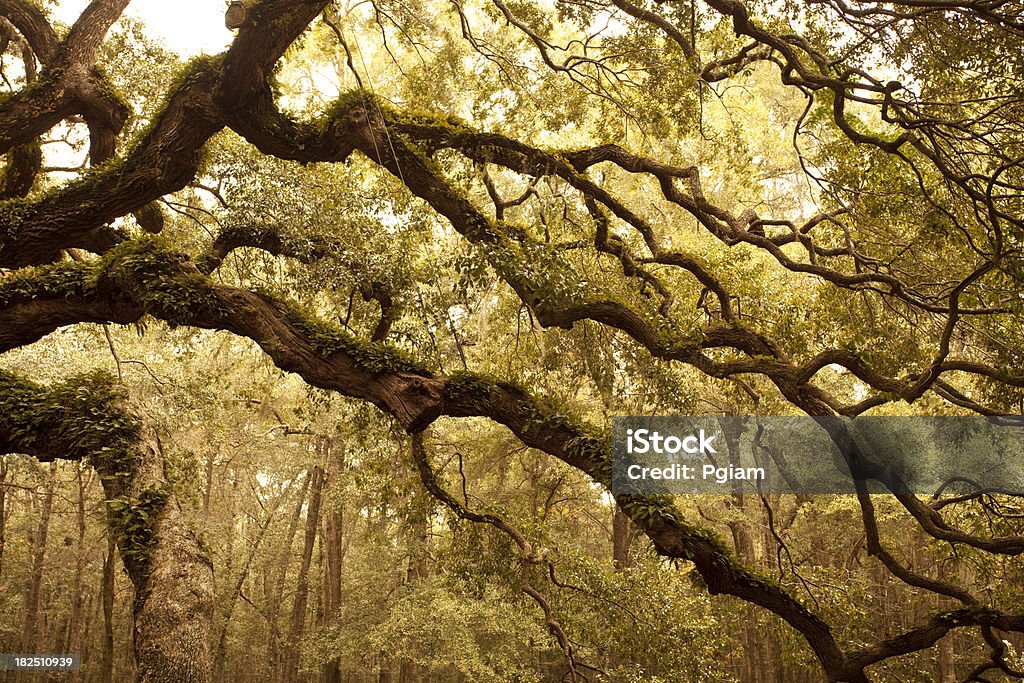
[(925, 455)]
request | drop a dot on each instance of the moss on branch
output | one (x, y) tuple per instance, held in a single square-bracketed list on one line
[(83, 418), (152, 271), (78, 418)]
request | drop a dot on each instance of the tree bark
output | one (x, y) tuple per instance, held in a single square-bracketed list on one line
[(275, 662), (107, 662), (623, 533), (334, 555), (3, 510), (68, 633), (298, 618), (171, 571), (947, 660), (29, 633), (72, 638)]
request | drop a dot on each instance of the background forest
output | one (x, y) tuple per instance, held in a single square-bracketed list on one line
[(313, 346)]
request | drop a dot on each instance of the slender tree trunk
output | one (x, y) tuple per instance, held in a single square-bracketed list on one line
[(209, 482), (334, 555), (243, 574), (418, 548), (229, 550), (751, 632), (274, 656), (301, 600), (30, 628), (72, 640), (107, 663), (754, 662), (85, 645), (623, 533), (3, 510), (947, 660), (66, 633)]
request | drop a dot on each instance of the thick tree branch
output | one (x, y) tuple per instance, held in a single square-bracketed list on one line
[(140, 278), (275, 241), (90, 29), (32, 24)]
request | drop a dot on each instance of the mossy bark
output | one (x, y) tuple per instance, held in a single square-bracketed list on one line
[(171, 572)]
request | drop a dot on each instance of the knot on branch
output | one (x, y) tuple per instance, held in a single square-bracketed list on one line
[(415, 401)]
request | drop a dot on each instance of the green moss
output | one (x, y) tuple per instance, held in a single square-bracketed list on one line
[(147, 267), (107, 88), (397, 117), (370, 356), (646, 509), (13, 213), (460, 385), (154, 273), (327, 340), (46, 80), (134, 521), (80, 417), (59, 279), (166, 286), (596, 452), (349, 100)]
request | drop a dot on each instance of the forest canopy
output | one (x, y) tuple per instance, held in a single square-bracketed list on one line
[(309, 350)]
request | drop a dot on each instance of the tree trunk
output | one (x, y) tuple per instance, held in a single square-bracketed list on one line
[(30, 627), (3, 510), (947, 660), (171, 571), (298, 619), (334, 555), (277, 595), (207, 492), (86, 642), (623, 533), (243, 574), (751, 632), (107, 663), (72, 640), (66, 633)]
